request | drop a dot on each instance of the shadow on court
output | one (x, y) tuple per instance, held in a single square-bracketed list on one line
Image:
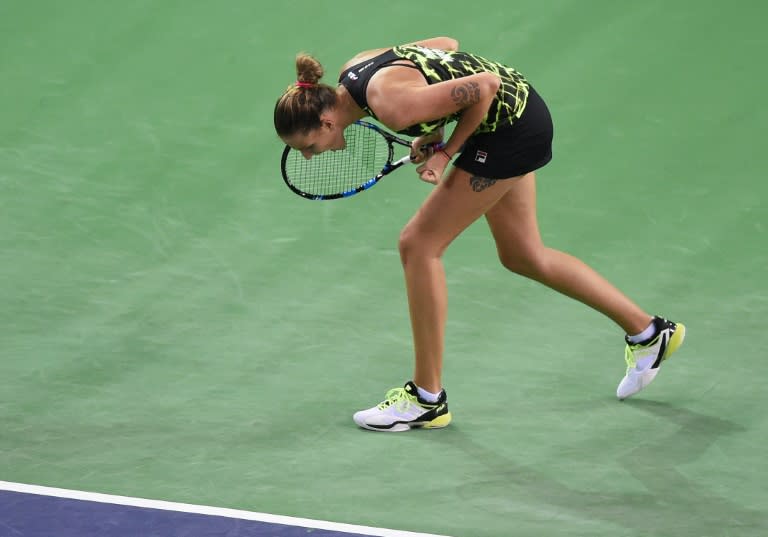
[(671, 504)]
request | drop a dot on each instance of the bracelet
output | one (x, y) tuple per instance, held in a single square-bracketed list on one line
[(444, 152)]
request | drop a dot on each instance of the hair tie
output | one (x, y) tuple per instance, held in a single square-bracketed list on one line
[(301, 84)]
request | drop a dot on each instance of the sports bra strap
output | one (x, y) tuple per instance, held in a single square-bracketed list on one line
[(357, 77)]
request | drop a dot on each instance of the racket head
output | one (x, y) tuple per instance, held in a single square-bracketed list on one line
[(339, 174)]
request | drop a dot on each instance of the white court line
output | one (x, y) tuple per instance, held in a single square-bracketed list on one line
[(207, 510)]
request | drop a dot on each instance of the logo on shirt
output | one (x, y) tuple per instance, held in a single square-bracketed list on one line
[(352, 75), (480, 157), (364, 67)]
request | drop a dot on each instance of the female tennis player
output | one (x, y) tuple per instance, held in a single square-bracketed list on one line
[(503, 134)]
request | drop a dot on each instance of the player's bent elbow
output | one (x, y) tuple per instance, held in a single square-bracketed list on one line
[(450, 44), (492, 81), (441, 42)]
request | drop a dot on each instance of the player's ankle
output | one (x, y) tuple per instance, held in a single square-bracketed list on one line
[(427, 396)]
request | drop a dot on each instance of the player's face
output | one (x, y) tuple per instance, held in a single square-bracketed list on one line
[(327, 136)]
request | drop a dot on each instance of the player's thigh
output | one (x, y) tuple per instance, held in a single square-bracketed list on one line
[(454, 204), (513, 220)]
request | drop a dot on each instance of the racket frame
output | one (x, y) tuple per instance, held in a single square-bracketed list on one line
[(388, 168)]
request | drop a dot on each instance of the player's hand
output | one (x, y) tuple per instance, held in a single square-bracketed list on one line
[(421, 154), (422, 146), (432, 170)]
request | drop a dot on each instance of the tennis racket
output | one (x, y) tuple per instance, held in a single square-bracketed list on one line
[(369, 156)]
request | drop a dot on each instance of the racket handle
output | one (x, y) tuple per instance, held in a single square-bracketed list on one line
[(437, 146), (399, 162), (434, 147)]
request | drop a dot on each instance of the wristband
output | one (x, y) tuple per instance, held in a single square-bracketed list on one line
[(444, 152)]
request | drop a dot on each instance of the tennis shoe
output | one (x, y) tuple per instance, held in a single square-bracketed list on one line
[(402, 409), (652, 352)]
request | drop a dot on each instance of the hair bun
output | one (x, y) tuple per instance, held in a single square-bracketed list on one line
[(308, 69)]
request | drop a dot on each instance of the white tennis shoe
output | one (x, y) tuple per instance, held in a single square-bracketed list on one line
[(402, 410), (652, 352)]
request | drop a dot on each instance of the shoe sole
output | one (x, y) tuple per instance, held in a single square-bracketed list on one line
[(437, 423)]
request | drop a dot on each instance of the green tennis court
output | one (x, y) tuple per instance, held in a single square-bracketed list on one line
[(177, 325)]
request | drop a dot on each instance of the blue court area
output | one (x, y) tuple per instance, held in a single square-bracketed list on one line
[(32, 511)]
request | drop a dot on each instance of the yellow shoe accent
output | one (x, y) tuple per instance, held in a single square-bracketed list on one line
[(676, 340), (438, 422)]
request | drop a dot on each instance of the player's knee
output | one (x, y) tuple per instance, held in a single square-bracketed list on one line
[(413, 244), (526, 263), (407, 244)]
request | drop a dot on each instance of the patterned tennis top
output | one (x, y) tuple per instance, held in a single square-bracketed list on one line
[(438, 66)]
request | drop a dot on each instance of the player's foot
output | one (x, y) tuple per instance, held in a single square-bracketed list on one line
[(652, 352), (402, 409)]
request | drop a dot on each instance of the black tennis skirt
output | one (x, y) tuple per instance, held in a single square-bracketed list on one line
[(520, 148)]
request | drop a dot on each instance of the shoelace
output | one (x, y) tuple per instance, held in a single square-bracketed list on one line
[(396, 396), (629, 357)]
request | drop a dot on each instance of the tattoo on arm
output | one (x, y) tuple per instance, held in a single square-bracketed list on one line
[(480, 183), (466, 94)]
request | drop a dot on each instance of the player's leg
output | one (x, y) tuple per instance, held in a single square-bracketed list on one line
[(449, 209), (513, 223), (515, 229)]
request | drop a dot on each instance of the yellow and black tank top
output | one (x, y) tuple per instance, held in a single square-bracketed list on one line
[(439, 66)]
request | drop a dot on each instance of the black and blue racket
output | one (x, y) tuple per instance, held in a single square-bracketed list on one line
[(369, 156)]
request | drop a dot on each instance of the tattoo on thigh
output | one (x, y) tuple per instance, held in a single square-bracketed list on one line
[(480, 183), (466, 95)]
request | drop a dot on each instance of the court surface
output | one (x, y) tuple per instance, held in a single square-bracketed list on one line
[(183, 341)]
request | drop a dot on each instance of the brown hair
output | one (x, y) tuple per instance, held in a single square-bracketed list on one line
[(299, 108)]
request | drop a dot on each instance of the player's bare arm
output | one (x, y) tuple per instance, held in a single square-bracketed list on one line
[(418, 102), (442, 43)]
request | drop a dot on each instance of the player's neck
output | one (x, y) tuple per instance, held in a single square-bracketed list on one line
[(347, 110)]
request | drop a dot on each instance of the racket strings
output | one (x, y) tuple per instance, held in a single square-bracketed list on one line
[(333, 172)]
